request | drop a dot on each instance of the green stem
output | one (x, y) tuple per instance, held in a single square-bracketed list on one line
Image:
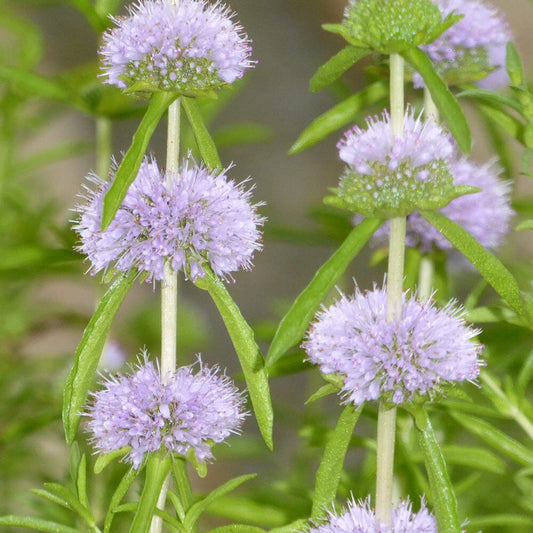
[(386, 430), (104, 146)]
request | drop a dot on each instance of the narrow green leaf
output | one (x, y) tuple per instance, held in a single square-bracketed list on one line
[(293, 325), (442, 494), (474, 457), (445, 101), (501, 520), (88, 354), (330, 469), (250, 357), (237, 528), (526, 224), (513, 64), (510, 124), (65, 497), (488, 265), (125, 483), (338, 116), (103, 460), (157, 470), (36, 524), (34, 84), (129, 167), (81, 482), (206, 145), (297, 525), (496, 438), (196, 510), (325, 390), (491, 97), (335, 67)]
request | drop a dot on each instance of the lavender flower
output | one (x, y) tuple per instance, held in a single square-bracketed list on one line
[(416, 355), (389, 175), (485, 214), (190, 48), (358, 517), (199, 218), (185, 413), (471, 48)]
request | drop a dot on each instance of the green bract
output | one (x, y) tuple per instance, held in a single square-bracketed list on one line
[(392, 26), (386, 194)]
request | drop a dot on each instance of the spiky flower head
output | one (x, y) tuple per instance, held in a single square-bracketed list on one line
[(420, 354), (473, 49), (391, 175), (190, 47), (485, 214), (359, 517), (184, 414), (195, 219), (391, 26)]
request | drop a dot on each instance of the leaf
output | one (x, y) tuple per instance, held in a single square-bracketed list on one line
[(88, 354), (330, 469), (293, 325), (488, 265), (196, 510), (442, 493), (510, 124), (297, 525), (129, 167), (335, 67), (496, 438), (250, 357), (86, 8), (34, 84), (526, 224), (81, 482), (491, 97), (325, 390), (206, 145), (36, 524), (445, 101), (157, 470), (237, 528), (338, 116), (513, 64), (477, 458), (125, 483), (522, 522), (103, 460)]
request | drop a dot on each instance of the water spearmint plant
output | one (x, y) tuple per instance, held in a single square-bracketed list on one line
[(419, 417)]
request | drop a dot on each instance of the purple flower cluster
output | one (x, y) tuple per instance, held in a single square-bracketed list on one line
[(184, 412), (198, 218), (416, 355), (358, 517), (191, 47), (390, 175), (472, 47), (485, 214)]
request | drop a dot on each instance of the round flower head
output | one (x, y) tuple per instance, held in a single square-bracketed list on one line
[(199, 218), (389, 175), (472, 49), (358, 517), (398, 360), (391, 26), (189, 48), (184, 414), (485, 215)]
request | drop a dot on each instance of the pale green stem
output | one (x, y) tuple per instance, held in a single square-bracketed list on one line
[(386, 431), (425, 279), (169, 289), (104, 147)]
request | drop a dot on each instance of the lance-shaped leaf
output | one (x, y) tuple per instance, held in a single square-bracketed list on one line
[(442, 493), (488, 265), (88, 354), (125, 483), (35, 524), (238, 528), (206, 145), (129, 167), (250, 357), (196, 510), (338, 116), (445, 101), (335, 67), (293, 325), (157, 470), (330, 469)]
